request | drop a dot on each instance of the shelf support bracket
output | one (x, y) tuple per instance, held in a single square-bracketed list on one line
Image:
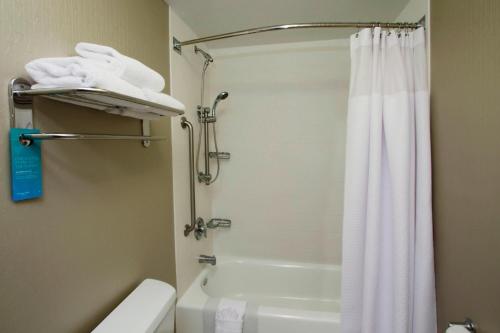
[(146, 131), (20, 107)]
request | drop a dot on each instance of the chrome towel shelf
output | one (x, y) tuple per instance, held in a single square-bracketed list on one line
[(21, 114)]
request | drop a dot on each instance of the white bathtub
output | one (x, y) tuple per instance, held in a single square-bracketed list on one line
[(292, 297)]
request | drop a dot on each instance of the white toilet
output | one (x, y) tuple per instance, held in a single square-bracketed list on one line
[(150, 308)]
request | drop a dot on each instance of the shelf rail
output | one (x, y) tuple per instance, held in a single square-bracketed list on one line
[(27, 139)]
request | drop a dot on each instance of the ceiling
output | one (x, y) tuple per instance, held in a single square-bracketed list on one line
[(210, 17)]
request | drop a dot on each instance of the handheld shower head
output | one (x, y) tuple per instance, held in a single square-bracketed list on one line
[(222, 96)]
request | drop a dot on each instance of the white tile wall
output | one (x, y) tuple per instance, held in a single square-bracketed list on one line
[(284, 124)]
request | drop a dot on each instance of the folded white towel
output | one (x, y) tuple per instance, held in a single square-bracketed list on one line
[(77, 72), (158, 98), (229, 316), (131, 70), (163, 99)]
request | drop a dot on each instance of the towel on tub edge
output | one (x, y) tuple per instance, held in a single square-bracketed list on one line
[(223, 315)]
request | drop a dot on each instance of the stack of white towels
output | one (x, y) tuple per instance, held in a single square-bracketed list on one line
[(99, 66)]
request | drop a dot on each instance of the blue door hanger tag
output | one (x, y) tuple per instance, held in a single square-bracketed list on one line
[(25, 166)]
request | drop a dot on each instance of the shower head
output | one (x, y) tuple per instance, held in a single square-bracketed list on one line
[(222, 96), (208, 57)]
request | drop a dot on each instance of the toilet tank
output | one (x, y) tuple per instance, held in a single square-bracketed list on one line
[(148, 309)]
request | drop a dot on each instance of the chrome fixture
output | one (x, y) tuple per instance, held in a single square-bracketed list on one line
[(21, 98), (27, 139), (219, 223), (205, 117), (221, 155), (207, 56), (220, 97), (208, 61), (201, 229), (197, 224), (177, 45), (468, 324), (203, 259)]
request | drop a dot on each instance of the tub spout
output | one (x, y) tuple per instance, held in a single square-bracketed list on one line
[(203, 259)]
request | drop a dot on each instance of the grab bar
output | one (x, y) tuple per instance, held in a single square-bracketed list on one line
[(197, 224)]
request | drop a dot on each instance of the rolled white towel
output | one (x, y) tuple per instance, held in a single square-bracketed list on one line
[(131, 70)]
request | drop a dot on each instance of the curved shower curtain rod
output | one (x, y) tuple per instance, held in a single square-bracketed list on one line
[(359, 25)]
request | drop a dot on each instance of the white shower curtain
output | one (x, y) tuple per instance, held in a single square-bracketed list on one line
[(388, 266)]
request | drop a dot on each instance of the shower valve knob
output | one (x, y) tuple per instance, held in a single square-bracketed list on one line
[(201, 229)]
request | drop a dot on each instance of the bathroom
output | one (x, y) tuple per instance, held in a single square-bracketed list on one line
[(133, 225)]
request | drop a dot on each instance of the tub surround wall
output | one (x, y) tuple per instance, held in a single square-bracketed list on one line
[(105, 221), (185, 85), (466, 160), (284, 125)]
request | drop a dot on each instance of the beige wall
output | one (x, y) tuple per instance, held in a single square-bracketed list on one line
[(105, 221), (466, 153), (185, 85)]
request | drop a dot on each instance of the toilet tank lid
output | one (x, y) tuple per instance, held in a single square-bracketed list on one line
[(142, 310)]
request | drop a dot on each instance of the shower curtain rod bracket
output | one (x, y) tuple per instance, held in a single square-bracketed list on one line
[(177, 45)]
